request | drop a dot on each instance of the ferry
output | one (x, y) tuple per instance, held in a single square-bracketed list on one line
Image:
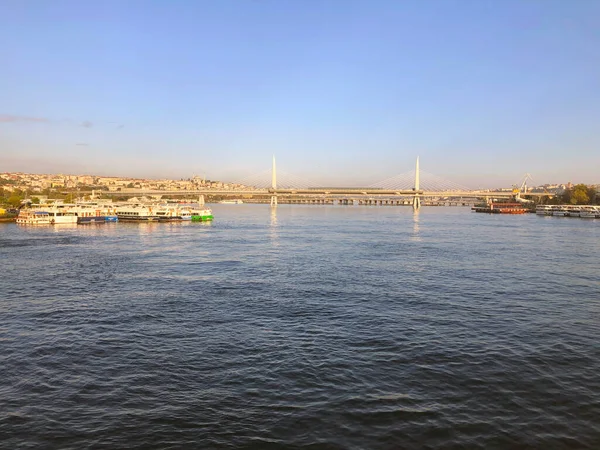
[(136, 213), (201, 215), (60, 216), (500, 208), (41, 215), (88, 214), (566, 211), (590, 212), (544, 210), (32, 217), (172, 213), (94, 213)]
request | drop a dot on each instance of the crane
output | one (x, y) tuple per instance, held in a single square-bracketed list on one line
[(517, 191)]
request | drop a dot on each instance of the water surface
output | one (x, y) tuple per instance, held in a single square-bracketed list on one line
[(308, 327)]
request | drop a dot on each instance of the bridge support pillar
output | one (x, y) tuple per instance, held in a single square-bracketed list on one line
[(416, 203), (273, 200)]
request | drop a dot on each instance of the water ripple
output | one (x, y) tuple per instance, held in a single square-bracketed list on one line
[(322, 329)]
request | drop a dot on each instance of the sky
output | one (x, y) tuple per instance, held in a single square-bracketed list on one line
[(343, 92)]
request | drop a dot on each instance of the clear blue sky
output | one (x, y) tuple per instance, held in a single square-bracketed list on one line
[(340, 90)]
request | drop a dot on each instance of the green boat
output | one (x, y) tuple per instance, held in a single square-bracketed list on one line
[(202, 215)]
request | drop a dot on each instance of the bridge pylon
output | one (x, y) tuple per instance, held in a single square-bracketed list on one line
[(274, 183), (416, 199)]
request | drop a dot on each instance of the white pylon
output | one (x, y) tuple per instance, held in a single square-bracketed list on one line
[(417, 175), (274, 183), (274, 175), (416, 198)]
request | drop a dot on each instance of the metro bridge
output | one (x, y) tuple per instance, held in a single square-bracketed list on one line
[(409, 188)]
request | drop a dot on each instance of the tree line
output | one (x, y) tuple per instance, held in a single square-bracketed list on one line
[(580, 194)]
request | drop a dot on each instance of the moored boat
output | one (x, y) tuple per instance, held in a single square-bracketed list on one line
[(136, 213), (91, 212), (566, 211), (543, 210), (60, 216), (590, 212), (201, 214), (173, 213), (33, 217), (559, 210), (500, 208), (88, 214)]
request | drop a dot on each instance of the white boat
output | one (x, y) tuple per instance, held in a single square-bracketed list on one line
[(232, 202), (543, 210), (33, 217), (186, 214), (41, 215), (560, 210), (173, 212), (60, 216), (136, 213), (590, 212), (573, 211)]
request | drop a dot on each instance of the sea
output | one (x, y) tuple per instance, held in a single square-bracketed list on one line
[(302, 327)]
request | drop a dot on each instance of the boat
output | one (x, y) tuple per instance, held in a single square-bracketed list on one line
[(60, 216), (590, 212), (136, 213), (91, 212), (173, 213), (544, 210), (55, 215), (500, 208), (557, 210), (33, 217), (573, 211), (88, 214), (201, 214), (566, 211), (232, 202)]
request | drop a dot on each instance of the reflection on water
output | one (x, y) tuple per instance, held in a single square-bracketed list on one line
[(273, 227), (416, 236), (60, 227)]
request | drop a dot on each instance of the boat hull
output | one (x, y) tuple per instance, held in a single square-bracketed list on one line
[(500, 208), (202, 218), (139, 219), (93, 219)]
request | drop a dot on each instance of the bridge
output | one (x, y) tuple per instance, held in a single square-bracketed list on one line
[(410, 188)]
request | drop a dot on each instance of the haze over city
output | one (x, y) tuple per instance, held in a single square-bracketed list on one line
[(347, 92)]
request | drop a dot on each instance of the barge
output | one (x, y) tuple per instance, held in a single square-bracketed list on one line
[(500, 208)]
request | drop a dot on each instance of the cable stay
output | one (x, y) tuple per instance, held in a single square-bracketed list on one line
[(428, 182), (285, 180)]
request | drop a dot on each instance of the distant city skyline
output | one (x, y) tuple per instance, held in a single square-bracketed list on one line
[(343, 92)]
